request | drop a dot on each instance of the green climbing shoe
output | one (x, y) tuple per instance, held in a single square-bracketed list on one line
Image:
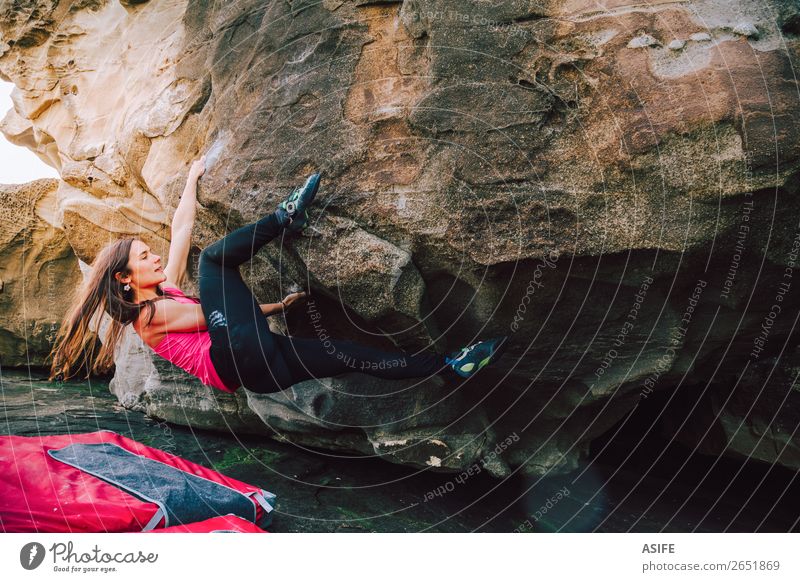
[(470, 360), (293, 211)]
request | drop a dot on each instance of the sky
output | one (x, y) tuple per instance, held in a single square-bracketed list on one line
[(18, 165)]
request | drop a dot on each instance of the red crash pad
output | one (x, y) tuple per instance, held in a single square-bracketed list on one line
[(224, 523), (105, 482)]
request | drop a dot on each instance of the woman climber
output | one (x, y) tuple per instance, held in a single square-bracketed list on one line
[(223, 338)]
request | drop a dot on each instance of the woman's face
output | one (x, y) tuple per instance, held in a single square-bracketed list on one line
[(145, 267)]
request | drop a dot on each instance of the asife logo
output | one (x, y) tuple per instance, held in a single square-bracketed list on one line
[(31, 555)]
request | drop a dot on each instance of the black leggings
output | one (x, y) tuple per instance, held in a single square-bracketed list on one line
[(245, 352)]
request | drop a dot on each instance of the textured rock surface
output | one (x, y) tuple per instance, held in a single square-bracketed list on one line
[(754, 416), (558, 168), (37, 271)]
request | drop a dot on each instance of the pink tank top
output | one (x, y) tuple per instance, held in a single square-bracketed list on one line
[(190, 351)]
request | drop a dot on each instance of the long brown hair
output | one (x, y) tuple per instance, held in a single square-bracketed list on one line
[(100, 292)]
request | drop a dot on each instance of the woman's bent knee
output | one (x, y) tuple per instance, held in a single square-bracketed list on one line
[(211, 253), (210, 267)]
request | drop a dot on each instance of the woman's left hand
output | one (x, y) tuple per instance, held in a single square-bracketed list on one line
[(198, 168), (293, 298)]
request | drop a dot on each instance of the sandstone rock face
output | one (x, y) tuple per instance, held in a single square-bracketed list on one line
[(615, 183), (38, 270)]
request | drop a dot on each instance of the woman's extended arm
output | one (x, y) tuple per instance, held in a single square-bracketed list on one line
[(174, 317), (182, 224), (273, 308)]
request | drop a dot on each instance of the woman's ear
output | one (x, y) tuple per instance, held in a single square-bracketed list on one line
[(122, 278)]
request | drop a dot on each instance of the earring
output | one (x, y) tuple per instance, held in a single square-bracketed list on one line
[(127, 287)]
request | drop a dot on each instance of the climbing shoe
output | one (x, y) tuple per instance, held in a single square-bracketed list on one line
[(470, 360), (293, 211)]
